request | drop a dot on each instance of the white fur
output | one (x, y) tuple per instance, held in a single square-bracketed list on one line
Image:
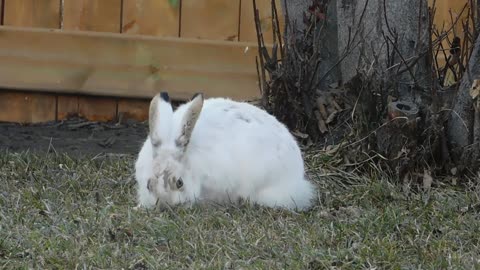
[(236, 150)]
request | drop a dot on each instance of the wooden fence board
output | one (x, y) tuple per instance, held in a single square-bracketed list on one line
[(97, 108), (123, 65), (442, 18), (98, 16), (32, 13), (67, 106), (133, 109), (151, 17), (43, 107), (210, 19), (92, 15), (442, 15), (247, 21), (26, 107), (21, 106)]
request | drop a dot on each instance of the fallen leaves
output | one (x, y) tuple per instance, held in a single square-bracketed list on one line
[(475, 89), (427, 179), (327, 111)]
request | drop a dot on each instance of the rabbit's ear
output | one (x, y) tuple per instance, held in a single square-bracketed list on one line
[(189, 120), (160, 117)]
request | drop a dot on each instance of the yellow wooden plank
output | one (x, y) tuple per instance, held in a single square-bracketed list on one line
[(24, 107), (124, 65), (151, 17), (92, 15), (443, 22), (247, 21), (210, 19), (32, 13), (443, 9)]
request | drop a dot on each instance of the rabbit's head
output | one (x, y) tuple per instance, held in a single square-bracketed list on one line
[(170, 137)]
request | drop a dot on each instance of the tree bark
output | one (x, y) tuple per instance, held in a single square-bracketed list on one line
[(381, 34), (295, 10), (460, 124), (328, 70), (356, 36)]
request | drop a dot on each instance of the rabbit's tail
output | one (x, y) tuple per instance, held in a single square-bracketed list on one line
[(303, 194), (297, 195)]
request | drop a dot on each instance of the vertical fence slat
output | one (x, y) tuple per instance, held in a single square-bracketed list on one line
[(98, 16), (247, 22), (26, 107), (210, 19), (32, 13), (23, 107), (151, 17), (443, 13), (92, 15), (133, 109), (97, 108), (1, 11), (442, 18), (67, 106)]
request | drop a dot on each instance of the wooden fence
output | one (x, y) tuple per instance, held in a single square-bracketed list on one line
[(123, 49), (104, 58)]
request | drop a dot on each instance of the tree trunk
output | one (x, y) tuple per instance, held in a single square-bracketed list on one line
[(328, 70), (360, 33), (460, 124), (382, 34), (295, 10)]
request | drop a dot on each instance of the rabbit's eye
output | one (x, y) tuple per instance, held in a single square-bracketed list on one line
[(149, 185), (156, 143), (179, 183)]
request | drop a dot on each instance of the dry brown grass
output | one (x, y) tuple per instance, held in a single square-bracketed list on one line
[(59, 212)]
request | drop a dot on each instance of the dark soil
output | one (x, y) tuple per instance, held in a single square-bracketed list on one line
[(76, 137)]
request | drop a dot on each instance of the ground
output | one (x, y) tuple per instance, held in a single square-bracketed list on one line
[(69, 209), (76, 137)]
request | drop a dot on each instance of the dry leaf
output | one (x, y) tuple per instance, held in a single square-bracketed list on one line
[(449, 79), (321, 107), (333, 148), (427, 179), (299, 134), (390, 99), (322, 126), (323, 111), (336, 105), (475, 89), (331, 117), (454, 181), (333, 85)]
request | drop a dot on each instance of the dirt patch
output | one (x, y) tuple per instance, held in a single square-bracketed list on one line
[(77, 137)]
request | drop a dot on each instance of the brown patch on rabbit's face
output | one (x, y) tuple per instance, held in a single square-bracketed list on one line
[(166, 182)]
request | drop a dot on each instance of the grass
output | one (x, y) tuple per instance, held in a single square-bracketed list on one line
[(60, 212)]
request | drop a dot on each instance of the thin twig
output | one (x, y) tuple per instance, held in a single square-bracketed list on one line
[(404, 62), (277, 28), (260, 41)]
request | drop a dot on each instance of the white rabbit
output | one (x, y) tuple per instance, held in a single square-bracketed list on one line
[(219, 150)]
